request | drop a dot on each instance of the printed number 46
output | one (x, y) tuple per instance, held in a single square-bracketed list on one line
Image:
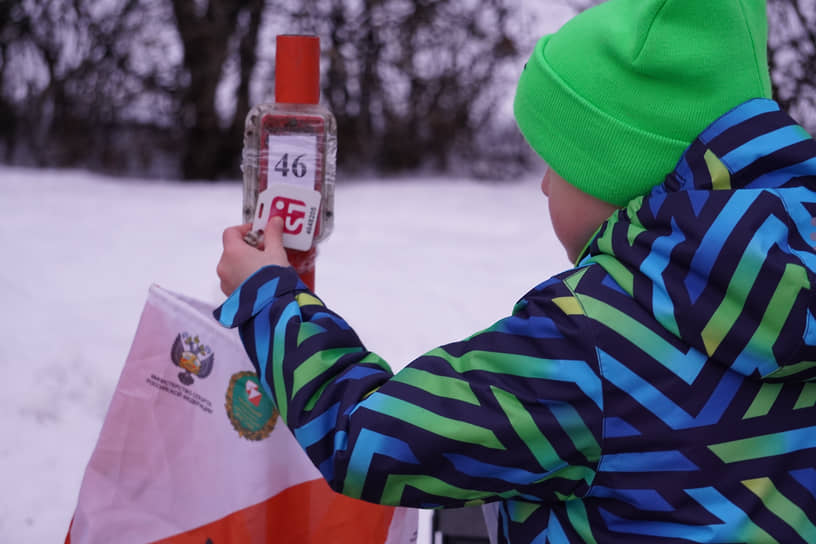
[(298, 167)]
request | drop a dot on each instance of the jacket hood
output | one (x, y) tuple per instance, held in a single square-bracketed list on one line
[(722, 253)]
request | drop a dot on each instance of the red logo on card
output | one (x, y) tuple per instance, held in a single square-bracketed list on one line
[(293, 213)]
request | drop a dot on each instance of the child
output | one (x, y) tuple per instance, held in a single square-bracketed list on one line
[(661, 390)]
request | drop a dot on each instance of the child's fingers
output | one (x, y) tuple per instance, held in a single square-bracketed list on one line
[(233, 234)]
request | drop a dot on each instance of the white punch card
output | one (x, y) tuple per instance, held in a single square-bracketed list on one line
[(297, 205)]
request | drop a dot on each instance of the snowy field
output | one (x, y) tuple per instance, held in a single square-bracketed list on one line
[(412, 263)]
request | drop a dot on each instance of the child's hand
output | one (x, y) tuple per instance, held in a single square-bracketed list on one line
[(240, 260)]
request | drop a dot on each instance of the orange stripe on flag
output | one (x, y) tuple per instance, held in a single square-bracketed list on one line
[(302, 514)]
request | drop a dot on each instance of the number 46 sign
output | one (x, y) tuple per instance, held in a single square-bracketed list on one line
[(292, 159), (298, 169)]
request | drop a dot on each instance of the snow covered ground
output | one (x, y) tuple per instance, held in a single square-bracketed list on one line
[(412, 263)]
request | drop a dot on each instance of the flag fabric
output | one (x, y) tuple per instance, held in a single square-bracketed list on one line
[(192, 451)]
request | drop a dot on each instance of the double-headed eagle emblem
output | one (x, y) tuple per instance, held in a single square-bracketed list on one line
[(192, 356)]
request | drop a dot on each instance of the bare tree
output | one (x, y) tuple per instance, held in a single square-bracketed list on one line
[(103, 83), (208, 33), (72, 70), (411, 83), (792, 57), (13, 25)]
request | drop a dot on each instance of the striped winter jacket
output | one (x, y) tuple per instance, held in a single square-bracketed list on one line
[(660, 392)]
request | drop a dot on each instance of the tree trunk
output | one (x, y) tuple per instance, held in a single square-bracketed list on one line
[(205, 38)]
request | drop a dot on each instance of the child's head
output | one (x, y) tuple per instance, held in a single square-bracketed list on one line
[(613, 98)]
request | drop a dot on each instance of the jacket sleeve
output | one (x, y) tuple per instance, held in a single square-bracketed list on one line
[(513, 411)]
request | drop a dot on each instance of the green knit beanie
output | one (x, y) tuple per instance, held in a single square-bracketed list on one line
[(613, 98)]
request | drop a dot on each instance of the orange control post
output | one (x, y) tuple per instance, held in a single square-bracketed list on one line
[(290, 149), (297, 69), (297, 81)]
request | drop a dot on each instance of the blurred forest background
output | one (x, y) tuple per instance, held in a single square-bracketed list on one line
[(160, 88)]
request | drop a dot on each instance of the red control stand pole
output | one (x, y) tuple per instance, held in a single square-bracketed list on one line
[(297, 81)]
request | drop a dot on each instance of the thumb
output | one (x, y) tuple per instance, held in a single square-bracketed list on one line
[(274, 229), (273, 241)]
